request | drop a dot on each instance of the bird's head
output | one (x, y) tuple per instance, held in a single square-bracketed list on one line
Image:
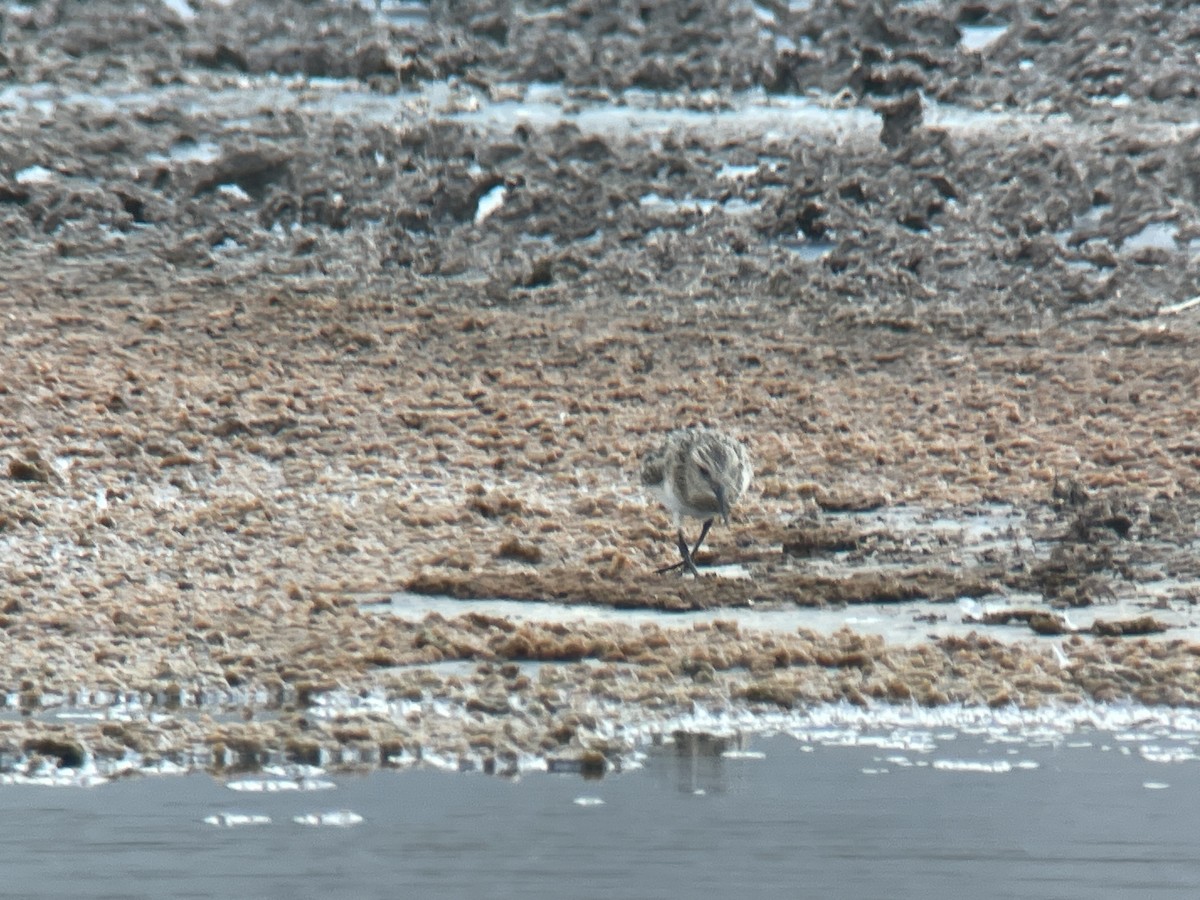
[(712, 468)]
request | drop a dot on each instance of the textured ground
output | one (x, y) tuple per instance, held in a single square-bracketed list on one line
[(262, 362)]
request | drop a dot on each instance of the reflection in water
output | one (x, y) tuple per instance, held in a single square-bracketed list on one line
[(700, 760)]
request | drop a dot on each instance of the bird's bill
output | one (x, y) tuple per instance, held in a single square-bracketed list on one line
[(722, 502)]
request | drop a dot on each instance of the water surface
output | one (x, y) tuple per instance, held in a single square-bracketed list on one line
[(1095, 815)]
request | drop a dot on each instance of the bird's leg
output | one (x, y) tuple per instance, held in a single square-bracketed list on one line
[(703, 534), (688, 564)]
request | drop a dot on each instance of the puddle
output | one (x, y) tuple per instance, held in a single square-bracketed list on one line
[(633, 112), (181, 8), (1155, 236), (735, 206), (1088, 226), (900, 623), (906, 623), (895, 540), (640, 112), (240, 101), (35, 175), (809, 251), (738, 173), (188, 152), (654, 203), (1093, 217), (401, 13), (1183, 305), (976, 38), (490, 202)]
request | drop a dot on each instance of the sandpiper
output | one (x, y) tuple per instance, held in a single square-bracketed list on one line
[(697, 472)]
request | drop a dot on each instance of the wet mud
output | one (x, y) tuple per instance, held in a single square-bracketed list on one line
[(304, 303)]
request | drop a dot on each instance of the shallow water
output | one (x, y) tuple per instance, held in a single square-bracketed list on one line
[(986, 532), (634, 111), (1094, 815), (908, 623)]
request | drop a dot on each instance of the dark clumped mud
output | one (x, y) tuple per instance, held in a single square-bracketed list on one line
[(378, 301)]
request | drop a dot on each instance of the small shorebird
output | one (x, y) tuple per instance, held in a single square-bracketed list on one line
[(697, 472)]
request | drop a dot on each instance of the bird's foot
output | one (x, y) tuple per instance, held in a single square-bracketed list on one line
[(684, 568)]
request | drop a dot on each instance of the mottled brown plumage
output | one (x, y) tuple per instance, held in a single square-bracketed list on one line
[(699, 473)]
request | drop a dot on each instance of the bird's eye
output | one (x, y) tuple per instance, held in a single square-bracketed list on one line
[(704, 473)]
